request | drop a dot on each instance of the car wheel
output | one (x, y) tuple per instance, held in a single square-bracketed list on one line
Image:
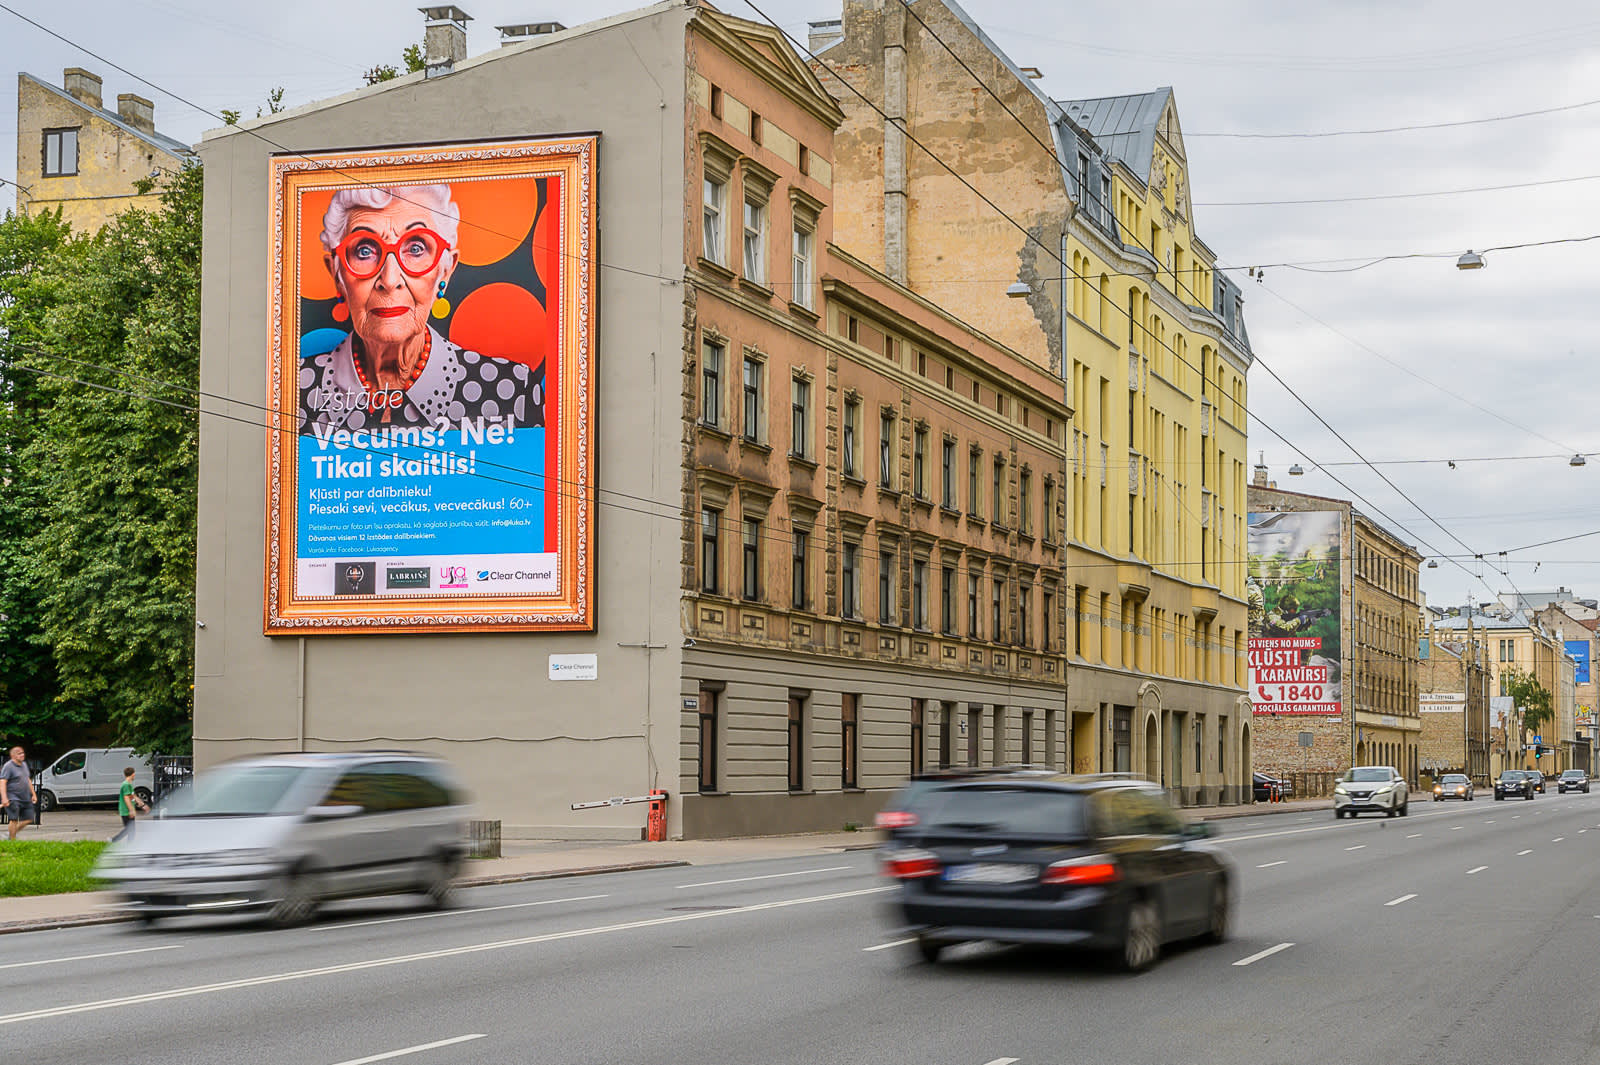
[(438, 883), (1338, 815), (297, 901), (1220, 917), (1405, 808), (148, 920), (929, 949), (1393, 811), (47, 801), (1438, 798), (144, 796), (1498, 796), (1141, 939), (1529, 796)]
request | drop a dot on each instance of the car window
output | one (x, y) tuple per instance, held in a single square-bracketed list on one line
[(404, 787), (1369, 774), (69, 763), (238, 791), (361, 786), (1024, 811)]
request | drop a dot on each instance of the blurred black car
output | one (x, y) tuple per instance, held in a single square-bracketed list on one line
[(1453, 786), (1099, 862), (900, 811), (1573, 780), (1261, 787), (1513, 783), (1537, 776)]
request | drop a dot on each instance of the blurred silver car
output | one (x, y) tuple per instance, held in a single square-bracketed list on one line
[(282, 833)]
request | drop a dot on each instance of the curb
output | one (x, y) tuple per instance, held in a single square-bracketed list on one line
[(45, 924)]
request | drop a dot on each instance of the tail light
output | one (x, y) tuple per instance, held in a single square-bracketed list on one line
[(1080, 872), (895, 819), (911, 865)]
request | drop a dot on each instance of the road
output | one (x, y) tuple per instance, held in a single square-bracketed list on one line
[(1462, 932)]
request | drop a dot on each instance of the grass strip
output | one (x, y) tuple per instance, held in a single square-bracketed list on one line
[(47, 867)]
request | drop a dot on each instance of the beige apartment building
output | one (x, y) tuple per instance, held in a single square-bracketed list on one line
[(958, 178), (92, 163), (1573, 625), (1453, 701), (1375, 718)]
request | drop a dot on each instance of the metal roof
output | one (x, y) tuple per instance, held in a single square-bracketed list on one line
[(167, 144), (1125, 126)]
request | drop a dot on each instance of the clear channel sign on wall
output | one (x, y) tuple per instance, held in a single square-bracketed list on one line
[(1295, 647)]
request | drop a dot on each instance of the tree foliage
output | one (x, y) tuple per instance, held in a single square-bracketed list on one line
[(412, 59), (1531, 697), (111, 340)]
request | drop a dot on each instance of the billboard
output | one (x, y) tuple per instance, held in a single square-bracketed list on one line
[(1579, 650), (431, 388), (1295, 651)]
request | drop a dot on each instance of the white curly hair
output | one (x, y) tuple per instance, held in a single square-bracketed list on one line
[(436, 198)]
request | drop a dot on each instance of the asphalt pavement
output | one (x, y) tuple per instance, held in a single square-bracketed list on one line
[(1462, 932)]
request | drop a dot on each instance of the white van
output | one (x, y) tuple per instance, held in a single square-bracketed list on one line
[(93, 774)]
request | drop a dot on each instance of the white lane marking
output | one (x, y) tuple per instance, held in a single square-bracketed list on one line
[(1491, 822), (1340, 827), (1003, 1061), (1269, 952), (769, 876), (1515, 816), (1402, 898), (419, 1048), (88, 957), (1455, 828), (1269, 865), (1558, 839), (1303, 820), (1479, 869), (430, 955), (1521, 853), (1357, 847), (471, 909), (886, 946), (1415, 835)]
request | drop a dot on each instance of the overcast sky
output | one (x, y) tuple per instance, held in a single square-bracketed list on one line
[(1408, 360)]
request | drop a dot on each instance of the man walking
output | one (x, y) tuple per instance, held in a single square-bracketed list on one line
[(127, 801), (17, 794)]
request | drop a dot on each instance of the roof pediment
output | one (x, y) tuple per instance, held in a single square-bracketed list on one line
[(767, 51)]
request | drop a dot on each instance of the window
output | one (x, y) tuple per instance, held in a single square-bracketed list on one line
[(801, 280), (919, 712), (886, 612), (711, 383), (60, 152), (755, 127), (949, 472), (996, 630), (974, 494), (708, 740), (1027, 737), (919, 462), (919, 594), (972, 606), (847, 740), (802, 541), (886, 451), (752, 399), (852, 428), (755, 241), (999, 491), (714, 202), (800, 417), (804, 164), (710, 529), (752, 558), (1025, 502), (797, 765), (716, 101), (1048, 602), (849, 590), (1024, 611), (1049, 523), (947, 600)]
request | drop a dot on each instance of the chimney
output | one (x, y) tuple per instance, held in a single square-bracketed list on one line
[(137, 112), (527, 31), (1258, 476), (444, 38), (825, 34), (82, 85)]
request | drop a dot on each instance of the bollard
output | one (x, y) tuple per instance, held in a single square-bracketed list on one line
[(656, 823)]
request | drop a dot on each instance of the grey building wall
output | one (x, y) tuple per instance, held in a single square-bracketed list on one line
[(526, 747)]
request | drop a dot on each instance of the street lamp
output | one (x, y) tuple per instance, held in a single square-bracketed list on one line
[(1470, 260), (1296, 471), (1577, 460)]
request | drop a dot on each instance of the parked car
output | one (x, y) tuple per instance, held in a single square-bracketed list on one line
[(1378, 788), (1099, 862), (1261, 787), (1573, 780), (282, 833), (1513, 782), (93, 774), (1453, 786)]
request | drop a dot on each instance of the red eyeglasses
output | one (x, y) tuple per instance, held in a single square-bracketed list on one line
[(417, 252)]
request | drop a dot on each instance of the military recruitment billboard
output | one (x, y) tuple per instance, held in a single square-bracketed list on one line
[(431, 388), (1295, 649)]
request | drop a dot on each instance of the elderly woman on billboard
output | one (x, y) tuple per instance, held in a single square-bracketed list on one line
[(391, 252)]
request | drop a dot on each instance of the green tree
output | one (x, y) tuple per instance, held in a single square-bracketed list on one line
[(1531, 698), (115, 450), (31, 708), (412, 58)]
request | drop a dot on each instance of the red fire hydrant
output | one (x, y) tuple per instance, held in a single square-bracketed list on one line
[(656, 825)]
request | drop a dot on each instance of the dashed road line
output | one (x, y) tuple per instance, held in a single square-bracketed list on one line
[(886, 946), (1269, 952), (1415, 835), (1003, 1061), (1269, 865), (1558, 839), (1479, 869), (419, 1048), (768, 876), (87, 957), (1457, 828), (1402, 898), (1521, 853), (1357, 847)]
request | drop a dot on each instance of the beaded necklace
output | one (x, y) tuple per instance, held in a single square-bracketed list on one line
[(390, 400)]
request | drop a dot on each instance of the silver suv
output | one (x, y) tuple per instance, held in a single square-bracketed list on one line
[(282, 833), (1378, 788)]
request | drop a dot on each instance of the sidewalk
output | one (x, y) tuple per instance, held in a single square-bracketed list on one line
[(521, 860)]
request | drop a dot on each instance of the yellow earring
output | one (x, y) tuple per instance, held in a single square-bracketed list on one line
[(441, 306)]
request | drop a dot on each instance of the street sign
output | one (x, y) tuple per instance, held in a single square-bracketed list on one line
[(1538, 739)]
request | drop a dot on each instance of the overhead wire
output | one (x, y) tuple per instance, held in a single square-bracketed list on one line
[(1416, 127)]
